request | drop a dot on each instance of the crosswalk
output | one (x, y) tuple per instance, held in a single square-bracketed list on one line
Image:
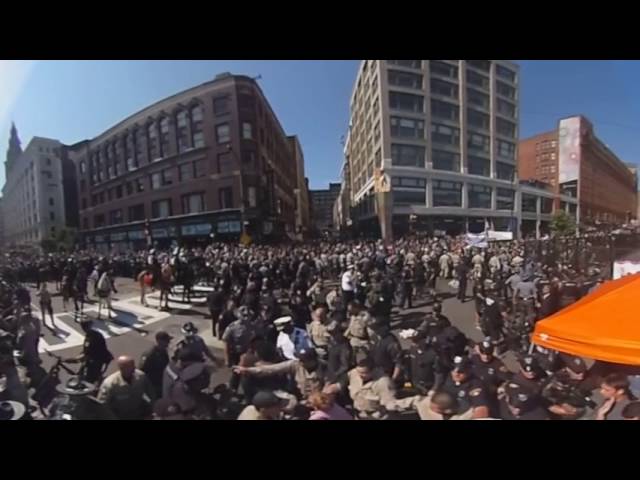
[(128, 316)]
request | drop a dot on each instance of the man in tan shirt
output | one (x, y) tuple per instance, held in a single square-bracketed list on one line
[(128, 393)]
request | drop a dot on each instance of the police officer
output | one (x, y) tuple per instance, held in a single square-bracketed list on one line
[(520, 404), (426, 372), (488, 368), (386, 351), (565, 393), (469, 390), (530, 376), (435, 322)]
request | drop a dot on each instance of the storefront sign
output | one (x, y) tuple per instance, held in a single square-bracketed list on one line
[(198, 229), (229, 227)]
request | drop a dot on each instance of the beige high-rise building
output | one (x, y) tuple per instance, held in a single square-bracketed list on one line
[(445, 133)]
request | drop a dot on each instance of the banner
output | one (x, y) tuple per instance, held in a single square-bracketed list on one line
[(622, 269), (500, 236), (477, 240)]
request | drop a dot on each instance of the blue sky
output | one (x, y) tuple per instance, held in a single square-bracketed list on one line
[(73, 100)]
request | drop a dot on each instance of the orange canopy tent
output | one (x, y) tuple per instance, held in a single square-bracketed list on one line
[(604, 325)]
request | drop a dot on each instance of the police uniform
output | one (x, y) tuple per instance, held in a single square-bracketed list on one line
[(527, 405), (560, 388), (425, 368), (471, 393), (529, 364), (492, 373)]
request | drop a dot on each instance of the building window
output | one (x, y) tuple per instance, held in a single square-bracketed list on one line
[(477, 119), (99, 221), (221, 105), (529, 203), (129, 188), (47, 174), (156, 180), (407, 155), (115, 217), (140, 147), (83, 167), (185, 171), (52, 216), (164, 136), (51, 201), (479, 196), (477, 98), (196, 127), (84, 204), (484, 65), (409, 197), (446, 89), (247, 131), (443, 69), (506, 149), (445, 135), (478, 143), (478, 166), (225, 163), (198, 140), (505, 90), (152, 135), (504, 199), (507, 109), (505, 171), (140, 185), (119, 191), (447, 194), (407, 128), (406, 102), (445, 110), (85, 223), (448, 161), (417, 64), (546, 205), (193, 203), (109, 195), (477, 80), (199, 168), (161, 208), (223, 133), (225, 197), (506, 73), (182, 131), (505, 128), (248, 158), (404, 79), (136, 213), (167, 176), (252, 199)]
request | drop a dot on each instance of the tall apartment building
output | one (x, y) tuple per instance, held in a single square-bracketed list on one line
[(212, 160), (33, 195), (444, 133), (303, 220), (1, 223), (576, 163), (322, 207)]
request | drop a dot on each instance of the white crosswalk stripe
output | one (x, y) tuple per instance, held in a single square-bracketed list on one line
[(128, 317)]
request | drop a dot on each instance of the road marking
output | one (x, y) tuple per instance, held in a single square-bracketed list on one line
[(129, 318)]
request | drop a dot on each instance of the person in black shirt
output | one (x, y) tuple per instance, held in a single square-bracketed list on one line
[(469, 390), (95, 355), (462, 275), (426, 372), (387, 353), (155, 360), (227, 317), (215, 301), (518, 404), (530, 376)]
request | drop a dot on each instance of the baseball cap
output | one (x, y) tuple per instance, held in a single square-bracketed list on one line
[(266, 399), (461, 364), (529, 364), (162, 335)]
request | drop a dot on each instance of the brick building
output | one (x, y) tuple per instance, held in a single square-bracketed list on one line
[(576, 163), (212, 160)]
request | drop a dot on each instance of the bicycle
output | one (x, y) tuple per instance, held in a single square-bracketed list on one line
[(46, 389)]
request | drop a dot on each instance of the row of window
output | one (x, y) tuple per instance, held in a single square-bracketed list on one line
[(191, 203), (186, 172), (451, 71), (546, 145), (412, 191)]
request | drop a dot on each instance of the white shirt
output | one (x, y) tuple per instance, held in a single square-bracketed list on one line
[(286, 346), (347, 281)]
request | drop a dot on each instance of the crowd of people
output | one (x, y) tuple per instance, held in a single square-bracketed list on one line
[(315, 331)]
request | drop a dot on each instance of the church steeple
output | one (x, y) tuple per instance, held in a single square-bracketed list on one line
[(15, 150)]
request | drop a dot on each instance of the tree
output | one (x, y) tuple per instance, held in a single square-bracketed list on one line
[(562, 224)]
